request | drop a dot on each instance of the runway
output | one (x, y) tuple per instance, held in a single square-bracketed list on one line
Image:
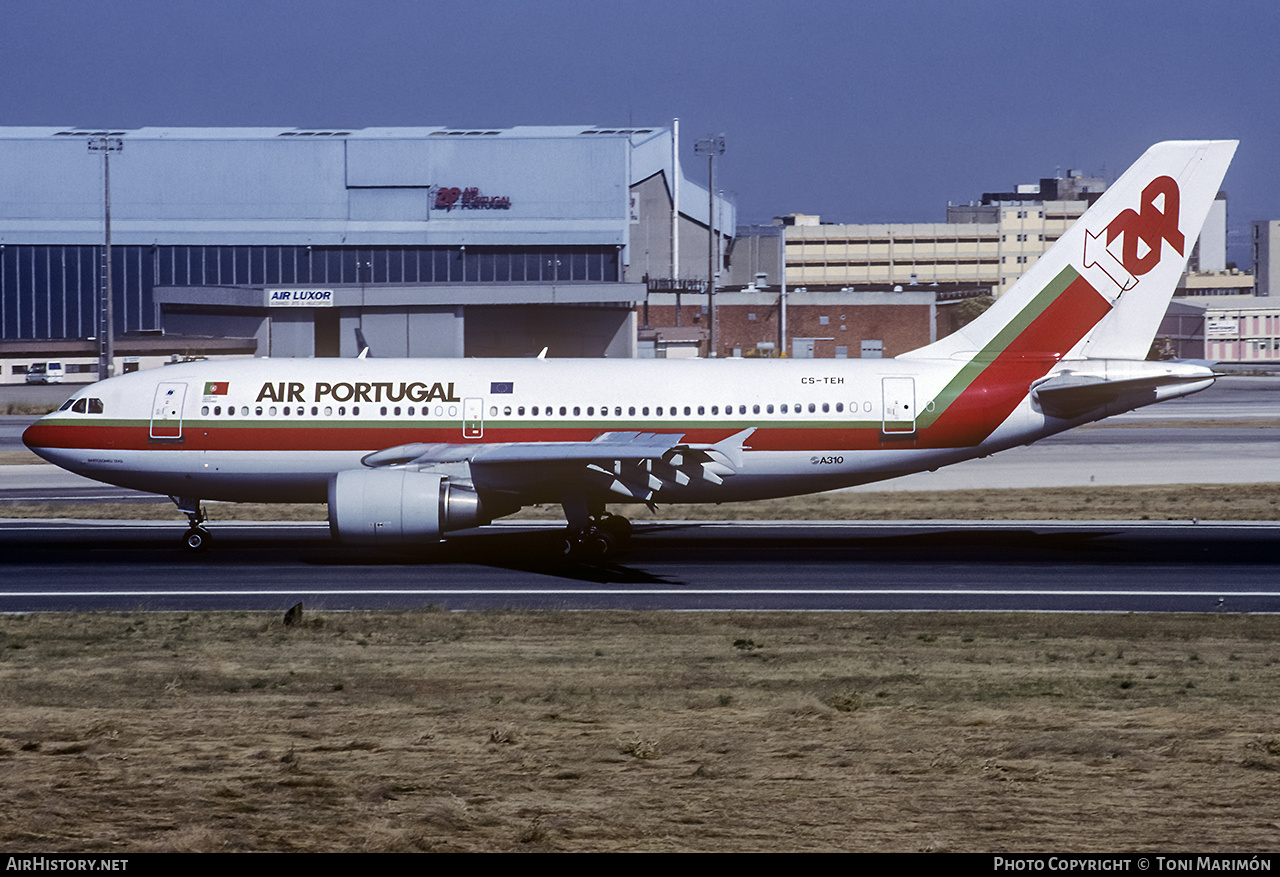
[(819, 566)]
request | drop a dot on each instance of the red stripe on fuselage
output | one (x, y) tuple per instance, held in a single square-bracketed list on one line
[(272, 437), (998, 390), (971, 417)]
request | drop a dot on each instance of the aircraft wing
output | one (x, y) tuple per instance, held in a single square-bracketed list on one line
[(631, 465)]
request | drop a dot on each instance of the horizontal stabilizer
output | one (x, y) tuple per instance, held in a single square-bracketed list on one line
[(1069, 395)]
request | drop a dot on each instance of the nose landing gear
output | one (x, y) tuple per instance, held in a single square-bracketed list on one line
[(196, 538)]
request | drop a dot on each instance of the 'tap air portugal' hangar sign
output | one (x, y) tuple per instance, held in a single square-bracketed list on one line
[(299, 298)]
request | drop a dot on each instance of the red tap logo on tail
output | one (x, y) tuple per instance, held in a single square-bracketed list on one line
[(1142, 234)]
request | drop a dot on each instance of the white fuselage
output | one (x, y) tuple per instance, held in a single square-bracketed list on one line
[(279, 430)]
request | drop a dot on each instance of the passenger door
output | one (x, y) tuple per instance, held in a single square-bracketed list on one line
[(166, 411), (899, 405)]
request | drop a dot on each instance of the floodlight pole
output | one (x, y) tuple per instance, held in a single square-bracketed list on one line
[(106, 324), (711, 147)]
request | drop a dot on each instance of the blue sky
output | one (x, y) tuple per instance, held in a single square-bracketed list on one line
[(861, 112)]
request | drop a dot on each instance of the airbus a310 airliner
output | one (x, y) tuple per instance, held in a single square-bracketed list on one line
[(405, 450)]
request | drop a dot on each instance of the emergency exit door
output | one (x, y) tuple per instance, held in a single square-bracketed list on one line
[(473, 418)]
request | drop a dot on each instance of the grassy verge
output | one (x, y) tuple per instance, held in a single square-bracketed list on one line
[(1208, 502), (33, 409), (19, 458), (639, 731)]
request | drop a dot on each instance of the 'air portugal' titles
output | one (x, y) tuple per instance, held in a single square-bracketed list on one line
[(359, 391)]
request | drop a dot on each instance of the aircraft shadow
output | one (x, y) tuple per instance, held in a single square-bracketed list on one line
[(536, 552)]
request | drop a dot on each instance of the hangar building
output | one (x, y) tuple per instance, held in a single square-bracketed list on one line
[(432, 241)]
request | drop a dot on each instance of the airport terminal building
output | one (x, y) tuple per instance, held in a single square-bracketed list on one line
[(282, 242)]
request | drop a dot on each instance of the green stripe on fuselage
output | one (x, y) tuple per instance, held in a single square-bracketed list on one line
[(996, 346)]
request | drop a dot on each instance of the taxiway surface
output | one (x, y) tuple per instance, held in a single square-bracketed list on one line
[(867, 566)]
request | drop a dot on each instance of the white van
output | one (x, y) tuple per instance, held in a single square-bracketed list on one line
[(46, 373)]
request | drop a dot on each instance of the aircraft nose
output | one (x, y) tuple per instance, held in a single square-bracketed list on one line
[(36, 436)]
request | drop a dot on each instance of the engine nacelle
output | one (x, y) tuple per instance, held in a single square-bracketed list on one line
[(398, 507)]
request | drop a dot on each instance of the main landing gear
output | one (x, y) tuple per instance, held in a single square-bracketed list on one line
[(196, 538), (595, 535)]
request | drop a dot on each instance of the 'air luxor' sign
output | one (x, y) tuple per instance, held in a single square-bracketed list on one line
[(299, 298)]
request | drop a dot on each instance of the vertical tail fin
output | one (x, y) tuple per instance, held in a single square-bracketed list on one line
[(1102, 289)]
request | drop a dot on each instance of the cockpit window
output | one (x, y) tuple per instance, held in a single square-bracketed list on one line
[(83, 405)]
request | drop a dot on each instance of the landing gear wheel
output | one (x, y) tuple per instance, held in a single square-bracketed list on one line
[(598, 545), (617, 527), (197, 537), (593, 533), (595, 544)]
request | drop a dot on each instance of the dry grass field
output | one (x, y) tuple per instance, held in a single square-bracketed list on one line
[(639, 731), (607, 731)]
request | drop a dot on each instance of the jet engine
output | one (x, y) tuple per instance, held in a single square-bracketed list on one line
[(398, 507)]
